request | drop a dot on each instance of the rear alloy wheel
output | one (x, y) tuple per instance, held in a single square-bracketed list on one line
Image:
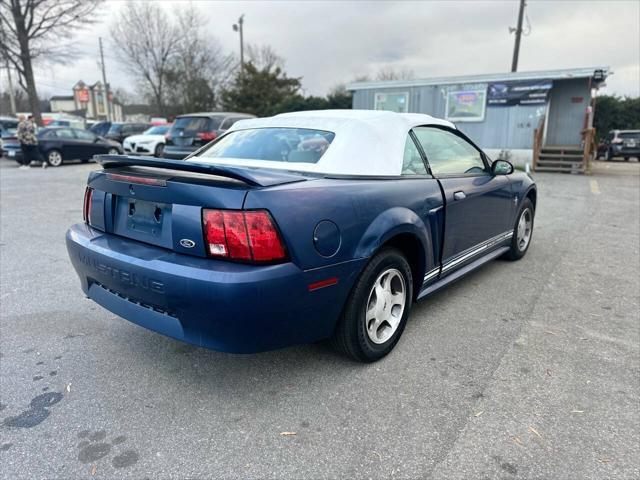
[(159, 150), (522, 232), (114, 151), (54, 158), (376, 312)]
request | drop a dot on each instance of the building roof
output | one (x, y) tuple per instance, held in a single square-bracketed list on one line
[(561, 74), (366, 142), (61, 97)]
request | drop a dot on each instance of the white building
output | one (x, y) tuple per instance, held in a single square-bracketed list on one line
[(88, 100)]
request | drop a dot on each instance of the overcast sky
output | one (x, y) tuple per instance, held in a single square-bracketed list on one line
[(327, 43)]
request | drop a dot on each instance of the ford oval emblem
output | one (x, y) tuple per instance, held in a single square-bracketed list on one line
[(187, 243)]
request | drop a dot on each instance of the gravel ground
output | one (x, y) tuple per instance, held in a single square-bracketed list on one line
[(522, 370)]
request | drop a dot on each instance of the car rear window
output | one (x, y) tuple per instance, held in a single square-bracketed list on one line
[(9, 124), (630, 135), (157, 130), (193, 125), (115, 128), (294, 145)]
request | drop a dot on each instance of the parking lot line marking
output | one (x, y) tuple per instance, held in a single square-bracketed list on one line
[(595, 188)]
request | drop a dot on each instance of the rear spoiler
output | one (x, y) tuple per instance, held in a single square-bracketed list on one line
[(257, 177)]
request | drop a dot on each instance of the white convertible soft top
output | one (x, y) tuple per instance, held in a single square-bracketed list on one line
[(366, 142)]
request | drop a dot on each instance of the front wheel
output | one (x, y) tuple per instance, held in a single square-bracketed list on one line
[(54, 158), (522, 232), (159, 150), (377, 309), (114, 151)]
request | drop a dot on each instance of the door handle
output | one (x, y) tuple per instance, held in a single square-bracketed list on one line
[(459, 196)]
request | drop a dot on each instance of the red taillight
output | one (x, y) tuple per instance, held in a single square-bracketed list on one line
[(265, 241), (207, 136), (86, 210), (248, 236)]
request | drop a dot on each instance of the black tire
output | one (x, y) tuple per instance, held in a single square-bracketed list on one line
[(626, 159), (159, 150), (54, 158), (351, 337), (515, 251)]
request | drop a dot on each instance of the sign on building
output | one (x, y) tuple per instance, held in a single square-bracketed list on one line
[(506, 94), (466, 103)]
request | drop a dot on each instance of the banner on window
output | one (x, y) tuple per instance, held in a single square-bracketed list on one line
[(466, 103), (506, 94)]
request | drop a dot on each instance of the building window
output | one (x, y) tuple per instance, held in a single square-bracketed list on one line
[(466, 103), (394, 102)]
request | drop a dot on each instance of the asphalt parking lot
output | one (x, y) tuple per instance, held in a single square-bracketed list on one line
[(522, 370)]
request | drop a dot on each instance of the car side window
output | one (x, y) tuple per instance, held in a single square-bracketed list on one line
[(412, 163), (85, 135), (65, 133), (449, 154), (50, 134)]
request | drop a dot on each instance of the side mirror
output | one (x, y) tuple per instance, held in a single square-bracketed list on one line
[(501, 167)]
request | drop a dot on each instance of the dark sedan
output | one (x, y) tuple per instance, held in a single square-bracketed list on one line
[(58, 145), (192, 131), (119, 131)]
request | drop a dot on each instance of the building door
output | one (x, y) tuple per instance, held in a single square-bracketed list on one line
[(569, 100)]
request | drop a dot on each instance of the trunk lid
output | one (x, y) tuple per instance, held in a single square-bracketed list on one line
[(160, 202)]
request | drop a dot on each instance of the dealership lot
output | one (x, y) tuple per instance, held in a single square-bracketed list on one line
[(521, 370)]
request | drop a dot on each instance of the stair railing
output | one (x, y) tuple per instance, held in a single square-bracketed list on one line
[(588, 144), (538, 135)]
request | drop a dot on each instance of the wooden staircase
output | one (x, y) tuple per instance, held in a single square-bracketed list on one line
[(568, 159), (563, 158)]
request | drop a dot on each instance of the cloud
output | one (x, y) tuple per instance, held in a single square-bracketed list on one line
[(327, 43)]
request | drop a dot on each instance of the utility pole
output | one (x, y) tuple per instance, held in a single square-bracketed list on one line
[(237, 27), (12, 96), (516, 47), (105, 93)]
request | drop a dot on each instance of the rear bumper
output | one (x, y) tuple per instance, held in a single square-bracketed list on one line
[(626, 151), (220, 305)]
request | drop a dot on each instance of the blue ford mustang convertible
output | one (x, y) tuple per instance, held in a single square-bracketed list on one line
[(297, 228)]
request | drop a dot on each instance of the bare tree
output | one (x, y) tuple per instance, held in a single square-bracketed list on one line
[(200, 66), (147, 41), (388, 73), (32, 30), (264, 57)]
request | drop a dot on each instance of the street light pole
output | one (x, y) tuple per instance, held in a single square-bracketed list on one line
[(12, 96), (105, 92), (516, 47), (237, 27)]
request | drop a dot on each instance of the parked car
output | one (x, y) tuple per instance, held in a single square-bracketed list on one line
[(119, 131), (297, 228), (149, 142), (61, 144), (8, 127), (620, 143), (190, 132)]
